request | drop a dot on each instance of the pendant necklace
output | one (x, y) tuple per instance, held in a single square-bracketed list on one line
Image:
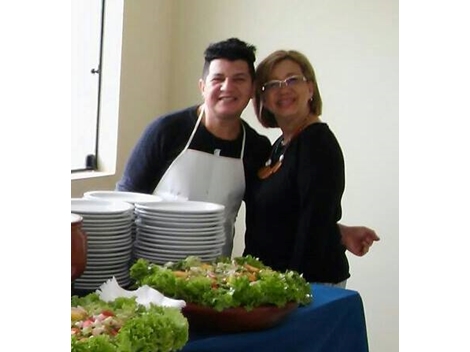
[(268, 169)]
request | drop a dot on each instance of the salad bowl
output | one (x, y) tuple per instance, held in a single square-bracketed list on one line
[(226, 295), (238, 319)]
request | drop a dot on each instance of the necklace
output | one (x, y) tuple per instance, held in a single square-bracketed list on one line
[(268, 169)]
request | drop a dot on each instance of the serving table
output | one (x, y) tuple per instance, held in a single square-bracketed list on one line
[(333, 322)]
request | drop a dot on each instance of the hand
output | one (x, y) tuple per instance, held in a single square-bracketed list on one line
[(358, 239)]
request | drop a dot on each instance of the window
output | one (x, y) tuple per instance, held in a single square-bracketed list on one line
[(86, 57), (96, 65)]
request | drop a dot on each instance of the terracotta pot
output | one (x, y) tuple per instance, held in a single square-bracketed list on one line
[(79, 247)]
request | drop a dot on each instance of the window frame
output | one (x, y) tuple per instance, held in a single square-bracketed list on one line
[(109, 89), (89, 161)]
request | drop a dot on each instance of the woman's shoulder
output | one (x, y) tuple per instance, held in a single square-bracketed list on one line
[(319, 139), (319, 132)]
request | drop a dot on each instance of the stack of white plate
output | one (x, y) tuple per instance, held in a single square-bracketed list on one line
[(129, 197), (171, 231), (108, 226)]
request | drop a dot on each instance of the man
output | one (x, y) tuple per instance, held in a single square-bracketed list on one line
[(207, 152)]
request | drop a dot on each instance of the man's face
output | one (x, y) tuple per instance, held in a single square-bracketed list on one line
[(227, 88)]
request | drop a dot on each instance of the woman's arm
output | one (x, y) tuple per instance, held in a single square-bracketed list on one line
[(357, 239), (320, 184)]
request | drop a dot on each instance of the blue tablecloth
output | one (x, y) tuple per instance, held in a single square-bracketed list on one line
[(333, 322)]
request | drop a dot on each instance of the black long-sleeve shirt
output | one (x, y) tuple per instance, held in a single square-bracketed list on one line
[(291, 217), (164, 139)]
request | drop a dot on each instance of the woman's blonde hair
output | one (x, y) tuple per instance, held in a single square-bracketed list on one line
[(263, 70)]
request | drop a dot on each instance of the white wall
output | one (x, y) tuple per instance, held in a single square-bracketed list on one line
[(353, 45)]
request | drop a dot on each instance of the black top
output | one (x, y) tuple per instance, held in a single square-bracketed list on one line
[(291, 217), (164, 139)]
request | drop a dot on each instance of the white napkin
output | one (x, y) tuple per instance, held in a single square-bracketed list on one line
[(111, 290)]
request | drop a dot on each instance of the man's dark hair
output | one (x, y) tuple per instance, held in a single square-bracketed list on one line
[(231, 49)]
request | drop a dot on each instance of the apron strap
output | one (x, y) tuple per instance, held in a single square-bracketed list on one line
[(195, 128), (242, 153)]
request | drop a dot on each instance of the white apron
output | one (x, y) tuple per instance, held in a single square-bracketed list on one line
[(200, 176)]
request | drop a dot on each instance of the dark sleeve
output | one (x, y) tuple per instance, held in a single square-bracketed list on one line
[(158, 146), (321, 182), (257, 151)]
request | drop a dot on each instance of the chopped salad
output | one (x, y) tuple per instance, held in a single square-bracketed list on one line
[(125, 325), (225, 283), (86, 325)]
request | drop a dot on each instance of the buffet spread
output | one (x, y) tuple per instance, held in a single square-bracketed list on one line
[(150, 299), (228, 295)]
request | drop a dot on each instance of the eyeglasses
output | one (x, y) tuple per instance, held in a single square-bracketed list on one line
[(288, 82)]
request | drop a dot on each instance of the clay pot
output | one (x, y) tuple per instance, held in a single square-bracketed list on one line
[(207, 319), (79, 247)]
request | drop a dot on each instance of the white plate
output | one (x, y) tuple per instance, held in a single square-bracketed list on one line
[(98, 206), (101, 262), (92, 274), (108, 222), (127, 216), (130, 197), (178, 231), (91, 283), (177, 214), (108, 256), (95, 286), (109, 228), (175, 251), (98, 238), (180, 239), (127, 242), (102, 233), (100, 266), (75, 218), (183, 218), (178, 224), (188, 207), (117, 250), (162, 259), (95, 248), (180, 245)]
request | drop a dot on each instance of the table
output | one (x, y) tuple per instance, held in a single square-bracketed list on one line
[(333, 322)]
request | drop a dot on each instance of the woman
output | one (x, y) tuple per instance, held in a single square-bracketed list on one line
[(295, 204)]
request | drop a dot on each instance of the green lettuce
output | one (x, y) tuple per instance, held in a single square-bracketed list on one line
[(270, 287), (101, 343), (152, 329), (158, 329)]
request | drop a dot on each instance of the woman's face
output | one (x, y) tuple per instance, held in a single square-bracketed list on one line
[(289, 98)]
